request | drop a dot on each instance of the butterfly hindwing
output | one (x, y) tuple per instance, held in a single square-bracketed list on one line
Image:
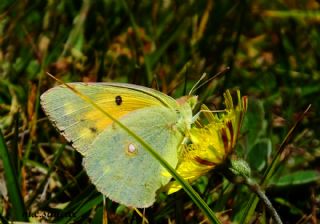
[(124, 171)]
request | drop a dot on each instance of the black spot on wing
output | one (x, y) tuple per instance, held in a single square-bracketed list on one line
[(118, 100), (93, 129)]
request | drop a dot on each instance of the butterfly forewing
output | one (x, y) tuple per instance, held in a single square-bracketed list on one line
[(80, 122)]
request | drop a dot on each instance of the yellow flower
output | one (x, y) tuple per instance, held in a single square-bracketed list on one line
[(211, 143)]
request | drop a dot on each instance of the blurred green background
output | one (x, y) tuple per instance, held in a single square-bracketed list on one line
[(271, 47)]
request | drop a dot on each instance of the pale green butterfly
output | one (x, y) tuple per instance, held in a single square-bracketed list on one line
[(115, 162)]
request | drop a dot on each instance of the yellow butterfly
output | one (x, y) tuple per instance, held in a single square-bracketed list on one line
[(116, 163)]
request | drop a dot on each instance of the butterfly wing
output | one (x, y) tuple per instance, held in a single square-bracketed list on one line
[(81, 123), (122, 169), (115, 162)]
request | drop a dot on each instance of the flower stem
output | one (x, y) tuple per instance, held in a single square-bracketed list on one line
[(258, 191), (238, 172)]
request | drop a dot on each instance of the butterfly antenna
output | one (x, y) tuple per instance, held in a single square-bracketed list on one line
[(212, 78), (197, 83), (185, 79), (213, 111)]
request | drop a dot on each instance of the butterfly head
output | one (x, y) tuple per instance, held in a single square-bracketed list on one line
[(190, 100), (186, 104)]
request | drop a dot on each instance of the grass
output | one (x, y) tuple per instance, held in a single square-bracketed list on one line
[(272, 48)]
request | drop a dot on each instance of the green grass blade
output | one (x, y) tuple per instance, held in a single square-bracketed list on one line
[(45, 179), (293, 14), (3, 220), (83, 208), (61, 191), (275, 162), (15, 197), (148, 65), (251, 205), (155, 57)]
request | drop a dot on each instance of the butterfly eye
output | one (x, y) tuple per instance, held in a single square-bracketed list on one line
[(118, 100)]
